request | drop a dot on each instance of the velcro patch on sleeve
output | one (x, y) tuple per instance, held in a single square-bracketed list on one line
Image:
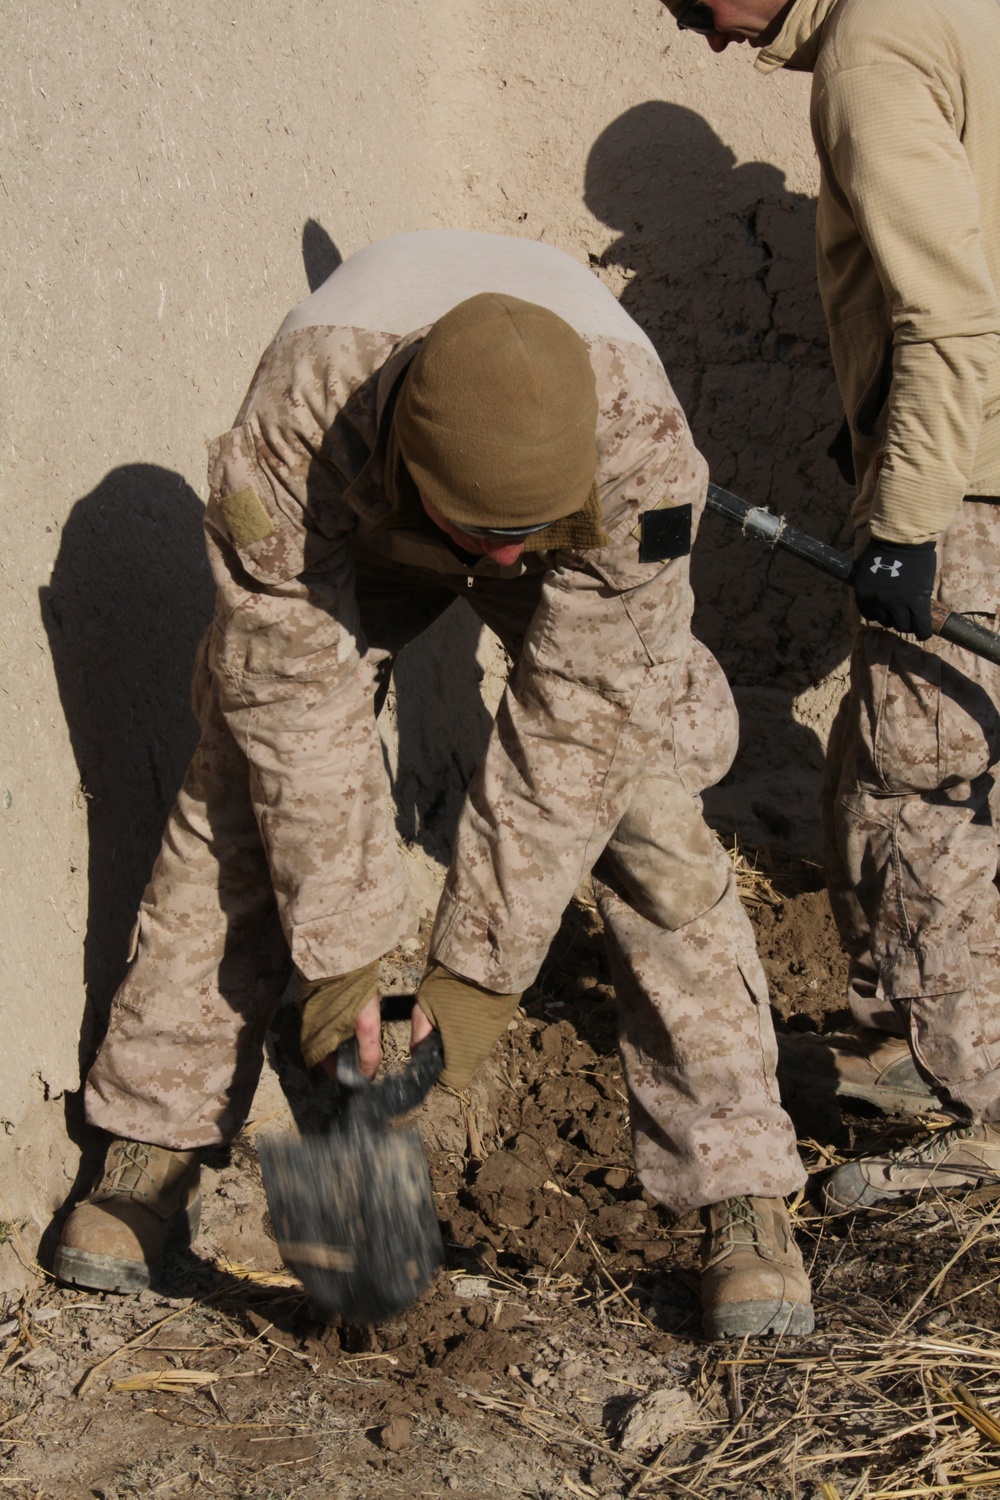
[(665, 533), (246, 517)]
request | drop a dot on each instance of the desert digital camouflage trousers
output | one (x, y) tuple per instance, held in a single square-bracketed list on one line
[(910, 831), (184, 1046)]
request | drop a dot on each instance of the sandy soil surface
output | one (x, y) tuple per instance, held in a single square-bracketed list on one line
[(558, 1352)]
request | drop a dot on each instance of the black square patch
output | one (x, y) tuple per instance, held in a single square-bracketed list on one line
[(665, 534)]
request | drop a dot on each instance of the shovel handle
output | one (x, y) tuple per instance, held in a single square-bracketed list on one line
[(373, 1104), (965, 632), (949, 625), (761, 523)]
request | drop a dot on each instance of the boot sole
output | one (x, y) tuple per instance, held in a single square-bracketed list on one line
[(891, 1101), (737, 1320), (109, 1273), (846, 1190)]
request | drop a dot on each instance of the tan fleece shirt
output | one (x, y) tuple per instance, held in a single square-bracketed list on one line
[(906, 120)]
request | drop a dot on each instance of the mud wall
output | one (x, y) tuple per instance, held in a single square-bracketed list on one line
[(174, 178)]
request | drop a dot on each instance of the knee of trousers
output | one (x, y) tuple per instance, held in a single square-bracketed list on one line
[(663, 860), (693, 1005)]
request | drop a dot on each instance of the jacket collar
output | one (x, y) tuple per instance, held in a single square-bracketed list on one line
[(798, 42)]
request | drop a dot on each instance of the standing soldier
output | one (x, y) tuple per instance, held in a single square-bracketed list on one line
[(906, 120), (452, 415)]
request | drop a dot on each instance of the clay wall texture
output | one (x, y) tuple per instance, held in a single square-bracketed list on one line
[(173, 178)]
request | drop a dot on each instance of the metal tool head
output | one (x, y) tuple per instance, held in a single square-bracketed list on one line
[(353, 1212)]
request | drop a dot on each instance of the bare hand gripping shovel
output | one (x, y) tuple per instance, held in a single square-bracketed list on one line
[(352, 1211)]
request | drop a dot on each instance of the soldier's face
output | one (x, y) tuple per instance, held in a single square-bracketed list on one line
[(504, 553), (723, 21)]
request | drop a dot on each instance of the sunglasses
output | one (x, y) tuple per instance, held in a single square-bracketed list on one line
[(697, 17), (505, 533)]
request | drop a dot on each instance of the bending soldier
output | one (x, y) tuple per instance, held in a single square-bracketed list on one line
[(452, 415)]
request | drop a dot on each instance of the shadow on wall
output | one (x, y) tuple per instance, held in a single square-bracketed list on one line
[(320, 255), (716, 262), (720, 267), (129, 596)]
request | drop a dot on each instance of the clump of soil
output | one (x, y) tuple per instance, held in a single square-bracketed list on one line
[(801, 953), (559, 1351)]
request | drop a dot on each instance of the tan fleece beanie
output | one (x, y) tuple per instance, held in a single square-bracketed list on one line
[(497, 418)]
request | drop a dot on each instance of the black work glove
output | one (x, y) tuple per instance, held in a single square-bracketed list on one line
[(893, 583)]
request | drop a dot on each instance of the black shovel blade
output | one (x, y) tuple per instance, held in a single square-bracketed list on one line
[(353, 1211), (354, 1218)]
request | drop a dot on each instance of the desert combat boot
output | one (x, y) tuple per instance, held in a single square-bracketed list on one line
[(115, 1239), (752, 1280), (960, 1156), (870, 1065)]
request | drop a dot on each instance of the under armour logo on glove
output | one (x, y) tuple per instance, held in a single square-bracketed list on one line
[(894, 588), (878, 566)]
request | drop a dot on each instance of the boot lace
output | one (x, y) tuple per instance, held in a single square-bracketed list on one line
[(931, 1151), (738, 1222), (933, 1148), (130, 1168)]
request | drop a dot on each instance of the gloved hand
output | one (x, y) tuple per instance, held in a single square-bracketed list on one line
[(893, 584), (330, 1008), (469, 1018)]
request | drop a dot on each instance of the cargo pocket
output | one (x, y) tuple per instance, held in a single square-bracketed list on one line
[(951, 1032), (933, 726), (297, 635), (969, 551), (705, 722), (266, 512)]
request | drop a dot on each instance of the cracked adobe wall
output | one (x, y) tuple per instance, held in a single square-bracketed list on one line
[(174, 179), (689, 181)]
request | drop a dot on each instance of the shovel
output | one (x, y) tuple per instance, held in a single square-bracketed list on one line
[(774, 529), (352, 1211)]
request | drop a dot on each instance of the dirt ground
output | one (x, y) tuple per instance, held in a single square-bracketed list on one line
[(558, 1353)]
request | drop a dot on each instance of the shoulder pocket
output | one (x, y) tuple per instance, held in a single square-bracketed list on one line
[(273, 541)]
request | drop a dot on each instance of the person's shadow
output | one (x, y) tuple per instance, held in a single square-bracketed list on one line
[(320, 255), (128, 599), (129, 596), (716, 262)]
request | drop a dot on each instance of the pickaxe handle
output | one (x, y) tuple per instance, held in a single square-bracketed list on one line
[(770, 528)]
